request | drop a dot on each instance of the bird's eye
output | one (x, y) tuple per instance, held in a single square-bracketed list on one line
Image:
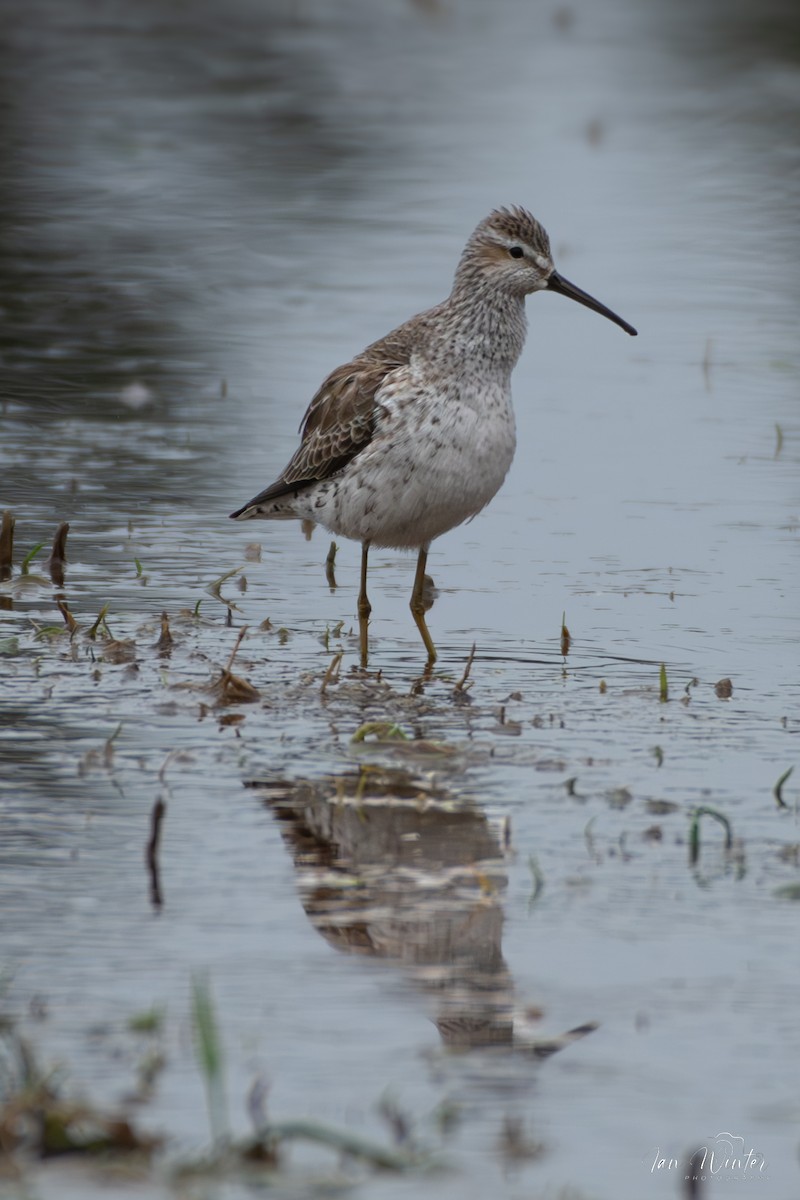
[(516, 252)]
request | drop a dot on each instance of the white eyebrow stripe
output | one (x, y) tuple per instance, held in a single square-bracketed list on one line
[(541, 260)]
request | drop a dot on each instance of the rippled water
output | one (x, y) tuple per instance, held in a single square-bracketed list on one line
[(203, 213)]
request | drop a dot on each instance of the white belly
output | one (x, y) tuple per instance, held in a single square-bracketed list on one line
[(431, 465)]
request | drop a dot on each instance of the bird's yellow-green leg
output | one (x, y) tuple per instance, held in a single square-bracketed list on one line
[(364, 607), (418, 607)]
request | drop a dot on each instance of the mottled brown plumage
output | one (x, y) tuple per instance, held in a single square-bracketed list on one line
[(416, 433), (340, 420)]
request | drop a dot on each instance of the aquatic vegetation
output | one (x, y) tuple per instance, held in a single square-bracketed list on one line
[(694, 831), (39, 1119), (777, 791), (208, 1049)]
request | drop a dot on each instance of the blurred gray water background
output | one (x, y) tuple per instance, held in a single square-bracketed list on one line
[(205, 208)]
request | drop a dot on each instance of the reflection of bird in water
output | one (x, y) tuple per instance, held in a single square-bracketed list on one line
[(416, 434), (390, 866)]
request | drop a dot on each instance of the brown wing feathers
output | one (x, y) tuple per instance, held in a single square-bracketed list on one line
[(339, 421)]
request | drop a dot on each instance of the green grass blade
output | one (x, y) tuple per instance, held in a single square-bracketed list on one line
[(208, 1049)]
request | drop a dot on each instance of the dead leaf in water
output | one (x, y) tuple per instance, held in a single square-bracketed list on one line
[(233, 689), (660, 808), (164, 643), (119, 650), (619, 797), (231, 719)]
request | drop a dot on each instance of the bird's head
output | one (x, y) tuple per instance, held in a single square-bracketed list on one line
[(510, 252)]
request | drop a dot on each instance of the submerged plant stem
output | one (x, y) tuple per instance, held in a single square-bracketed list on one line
[(6, 546), (663, 688)]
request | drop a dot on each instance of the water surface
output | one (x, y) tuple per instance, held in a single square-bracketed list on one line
[(204, 213)]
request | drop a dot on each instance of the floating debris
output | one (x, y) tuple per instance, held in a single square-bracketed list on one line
[(332, 673), (660, 808), (724, 689), (381, 731), (514, 1145), (165, 639), (233, 689), (37, 1120), (566, 637), (619, 798), (118, 650), (148, 1022)]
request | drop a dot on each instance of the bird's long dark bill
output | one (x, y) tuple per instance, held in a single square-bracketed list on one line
[(557, 283)]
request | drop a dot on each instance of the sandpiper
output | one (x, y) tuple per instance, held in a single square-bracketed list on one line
[(416, 434)]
